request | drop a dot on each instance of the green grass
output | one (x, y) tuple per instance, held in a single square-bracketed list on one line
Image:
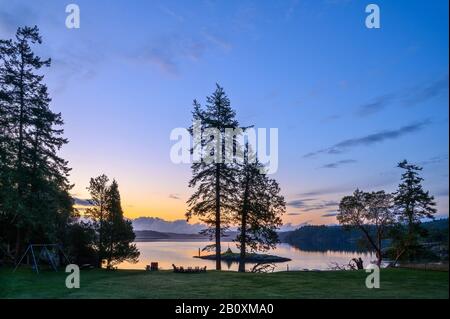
[(395, 283)]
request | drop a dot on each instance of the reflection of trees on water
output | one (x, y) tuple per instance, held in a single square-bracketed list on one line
[(324, 247)]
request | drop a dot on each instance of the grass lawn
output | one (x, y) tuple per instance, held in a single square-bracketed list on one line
[(395, 283)]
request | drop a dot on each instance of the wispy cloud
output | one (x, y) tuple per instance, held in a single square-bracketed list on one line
[(409, 97), (81, 202), (218, 41), (330, 214), (434, 160), (171, 13), (424, 93), (370, 139), (169, 52), (338, 163), (14, 16), (174, 196), (306, 205), (375, 105)]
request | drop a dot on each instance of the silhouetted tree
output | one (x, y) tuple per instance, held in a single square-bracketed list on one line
[(412, 205), (37, 202), (214, 200), (372, 213), (119, 231), (97, 212), (115, 235), (260, 209)]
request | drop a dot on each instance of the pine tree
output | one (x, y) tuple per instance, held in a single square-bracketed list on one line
[(260, 210), (30, 133), (214, 200), (115, 235), (119, 231), (98, 212), (413, 204)]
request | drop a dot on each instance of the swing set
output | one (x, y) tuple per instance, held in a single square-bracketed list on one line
[(47, 251)]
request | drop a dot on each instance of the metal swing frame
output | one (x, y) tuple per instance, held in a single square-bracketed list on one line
[(46, 252)]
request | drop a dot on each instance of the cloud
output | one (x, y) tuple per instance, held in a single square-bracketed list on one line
[(218, 41), (169, 52), (81, 202), (298, 203), (12, 17), (370, 139), (171, 13), (327, 191), (307, 205), (168, 55), (338, 163), (434, 160), (291, 227), (409, 97), (161, 225), (424, 93), (329, 214), (174, 196), (376, 105), (294, 214)]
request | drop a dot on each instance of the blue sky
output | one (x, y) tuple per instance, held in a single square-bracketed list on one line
[(349, 102)]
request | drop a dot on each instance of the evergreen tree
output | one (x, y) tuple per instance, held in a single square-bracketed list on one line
[(119, 231), (97, 212), (115, 236), (37, 201), (214, 200), (260, 209), (413, 204)]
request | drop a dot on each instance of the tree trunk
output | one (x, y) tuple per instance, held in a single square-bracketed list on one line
[(243, 242), (20, 155), (218, 226), (100, 238), (18, 244), (244, 227)]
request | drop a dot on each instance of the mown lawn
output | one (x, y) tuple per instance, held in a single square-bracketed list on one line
[(395, 283)]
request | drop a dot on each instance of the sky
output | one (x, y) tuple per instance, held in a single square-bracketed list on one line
[(349, 102)]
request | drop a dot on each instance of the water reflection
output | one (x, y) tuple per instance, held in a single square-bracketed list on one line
[(167, 253)]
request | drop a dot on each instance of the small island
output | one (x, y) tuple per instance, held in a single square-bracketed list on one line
[(230, 256)]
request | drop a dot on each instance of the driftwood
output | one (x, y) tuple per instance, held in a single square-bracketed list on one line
[(188, 270), (263, 268), (354, 264)]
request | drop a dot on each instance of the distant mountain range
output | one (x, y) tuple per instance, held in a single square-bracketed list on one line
[(151, 235), (181, 226), (308, 237)]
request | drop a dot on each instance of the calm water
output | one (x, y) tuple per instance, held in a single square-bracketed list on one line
[(181, 254)]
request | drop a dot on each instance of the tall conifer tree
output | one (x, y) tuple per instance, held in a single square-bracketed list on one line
[(214, 200), (260, 209)]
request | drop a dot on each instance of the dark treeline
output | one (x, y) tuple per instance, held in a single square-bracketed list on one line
[(35, 202), (339, 238), (323, 238)]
